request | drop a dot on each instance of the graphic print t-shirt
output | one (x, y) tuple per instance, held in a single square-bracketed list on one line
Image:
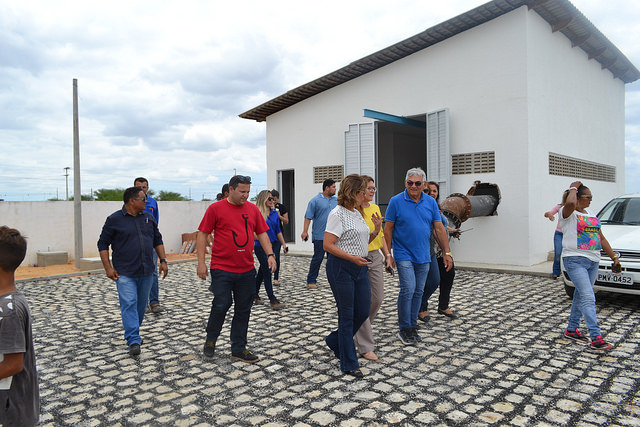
[(581, 235), (234, 227)]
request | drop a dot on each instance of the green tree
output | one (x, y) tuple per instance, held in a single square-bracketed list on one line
[(109, 194), (85, 197), (170, 196)]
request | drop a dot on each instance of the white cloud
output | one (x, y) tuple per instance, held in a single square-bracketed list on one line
[(161, 84)]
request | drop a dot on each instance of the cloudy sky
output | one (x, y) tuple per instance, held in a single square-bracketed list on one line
[(161, 83)]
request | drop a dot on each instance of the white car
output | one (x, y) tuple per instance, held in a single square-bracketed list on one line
[(620, 219)]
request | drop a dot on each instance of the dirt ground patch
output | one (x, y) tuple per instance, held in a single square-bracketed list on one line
[(29, 272)]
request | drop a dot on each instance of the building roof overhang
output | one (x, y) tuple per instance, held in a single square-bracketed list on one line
[(560, 14)]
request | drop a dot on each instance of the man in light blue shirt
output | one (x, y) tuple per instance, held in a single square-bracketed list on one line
[(317, 211), (409, 219)]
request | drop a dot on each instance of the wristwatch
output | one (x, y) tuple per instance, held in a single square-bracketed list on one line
[(273, 255), (163, 260), (450, 254)]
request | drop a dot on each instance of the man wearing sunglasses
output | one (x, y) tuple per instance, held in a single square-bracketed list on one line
[(234, 222), (133, 235), (409, 218)]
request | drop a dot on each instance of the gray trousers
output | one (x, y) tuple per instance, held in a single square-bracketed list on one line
[(364, 337)]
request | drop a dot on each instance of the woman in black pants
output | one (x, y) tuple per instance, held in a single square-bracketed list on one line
[(446, 277)]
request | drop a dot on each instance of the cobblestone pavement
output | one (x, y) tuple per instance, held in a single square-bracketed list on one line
[(503, 362)]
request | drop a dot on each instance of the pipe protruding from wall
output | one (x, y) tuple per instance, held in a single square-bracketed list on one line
[(482, 199)]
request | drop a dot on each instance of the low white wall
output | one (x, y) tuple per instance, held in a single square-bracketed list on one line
[(48, 226)]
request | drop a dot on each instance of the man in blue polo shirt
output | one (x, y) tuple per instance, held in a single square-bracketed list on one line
[(318, 211), (133, 236), (409, 218), (151, 206)]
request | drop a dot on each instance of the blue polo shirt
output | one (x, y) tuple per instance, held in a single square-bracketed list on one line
[(133, 240), (318, 211), (151, 206), (412, 226)]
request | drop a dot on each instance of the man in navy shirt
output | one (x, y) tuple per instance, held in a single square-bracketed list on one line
[(409, 219), (151, 206), (133, 235), (318, 211)]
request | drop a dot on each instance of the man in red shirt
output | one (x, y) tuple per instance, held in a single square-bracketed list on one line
[(234, 223)]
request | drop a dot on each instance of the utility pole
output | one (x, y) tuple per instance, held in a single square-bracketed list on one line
[(77, 191), (66, 175)]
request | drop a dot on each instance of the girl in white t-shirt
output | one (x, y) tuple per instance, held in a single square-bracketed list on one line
[(557, 236), (582, 240)]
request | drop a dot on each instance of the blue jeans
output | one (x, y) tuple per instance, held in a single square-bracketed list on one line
[(432, 283), (557, 252), (154, 292), (411, 277), (264, 274), (227, 288), (133, 293), (350, 286), (583, 273), (316, 261)]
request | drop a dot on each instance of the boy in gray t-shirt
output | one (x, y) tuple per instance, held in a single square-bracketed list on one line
[(19, 393)]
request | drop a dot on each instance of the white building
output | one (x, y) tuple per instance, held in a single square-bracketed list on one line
[(528, 95)]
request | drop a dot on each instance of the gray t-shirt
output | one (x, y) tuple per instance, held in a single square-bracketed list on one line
[(19, 394)]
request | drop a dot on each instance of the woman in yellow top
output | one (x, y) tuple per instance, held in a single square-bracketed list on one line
[(364, 337)]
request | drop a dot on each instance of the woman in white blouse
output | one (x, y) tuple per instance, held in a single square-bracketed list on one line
[(346, 240)]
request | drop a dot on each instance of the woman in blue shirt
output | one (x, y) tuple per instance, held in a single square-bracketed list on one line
[(265, 203)]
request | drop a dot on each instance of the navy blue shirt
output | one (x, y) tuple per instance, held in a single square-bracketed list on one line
[(133, 240)]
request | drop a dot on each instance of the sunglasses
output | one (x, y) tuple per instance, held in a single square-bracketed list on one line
[(270, 199), (412, 183), (587, 197), (140, 198), (240, 179)]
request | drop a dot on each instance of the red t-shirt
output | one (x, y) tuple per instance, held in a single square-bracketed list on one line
[(234, 226)]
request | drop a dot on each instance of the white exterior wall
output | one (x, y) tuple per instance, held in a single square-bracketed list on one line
[(501, 90), (576, 109), (48, 226)]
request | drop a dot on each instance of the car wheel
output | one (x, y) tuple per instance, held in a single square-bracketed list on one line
[(569, 290)]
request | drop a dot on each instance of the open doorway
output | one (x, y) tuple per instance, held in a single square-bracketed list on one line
[(399, 148), (286, 187)]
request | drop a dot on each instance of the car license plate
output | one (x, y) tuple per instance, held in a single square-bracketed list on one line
[(619, 278)]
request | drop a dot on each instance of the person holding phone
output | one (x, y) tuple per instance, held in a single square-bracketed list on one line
[(265, 204), (364, 337), (346, 240)]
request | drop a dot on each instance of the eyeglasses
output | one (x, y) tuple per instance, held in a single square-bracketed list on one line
[(371, 188), (416, 183), (140, 198)]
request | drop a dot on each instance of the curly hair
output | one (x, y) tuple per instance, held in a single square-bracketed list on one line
[(350, 186)]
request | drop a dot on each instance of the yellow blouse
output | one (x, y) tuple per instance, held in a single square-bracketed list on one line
[(377, 242)]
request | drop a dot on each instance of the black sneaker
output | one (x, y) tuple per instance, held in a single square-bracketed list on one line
[(209, 348), (134, 349), (576, 336), (416, 336), (406, 336), (245, 356)]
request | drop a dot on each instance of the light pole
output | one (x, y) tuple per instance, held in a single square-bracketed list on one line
[(66, 175)]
